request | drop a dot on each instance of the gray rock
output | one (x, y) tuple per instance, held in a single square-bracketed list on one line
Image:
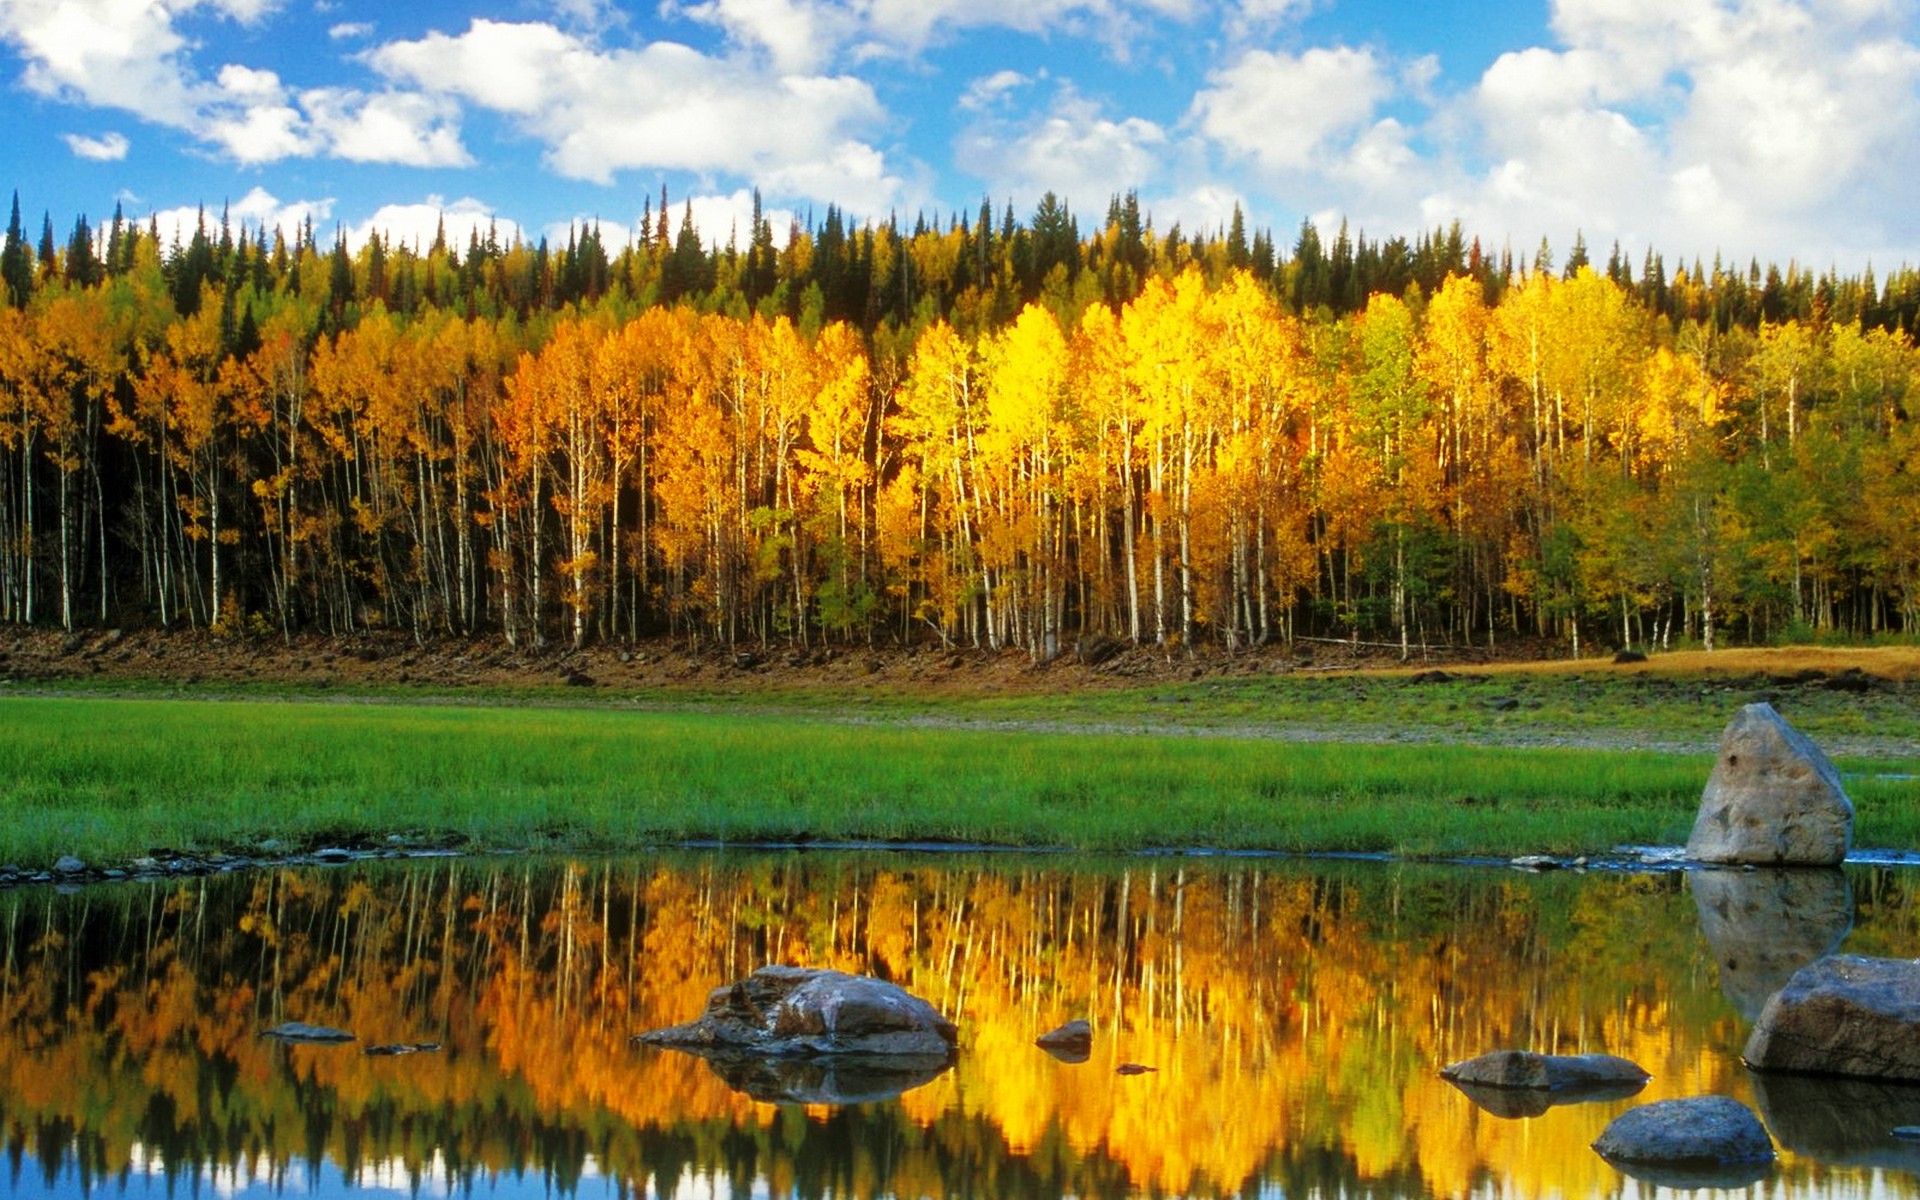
[(1773, 798), (1763, 925), (1071, 1043), (1702, 1132), (1844, 1015), (300, 1031), (67, 864), (795, 1011), (1544, 1072)]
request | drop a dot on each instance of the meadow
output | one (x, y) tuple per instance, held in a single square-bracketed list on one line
[(110, 779)]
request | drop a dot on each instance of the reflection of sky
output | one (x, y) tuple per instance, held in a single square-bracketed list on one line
[(147, 1176)]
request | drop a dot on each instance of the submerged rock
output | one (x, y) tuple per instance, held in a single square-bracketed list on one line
[(1844, 1015), (1700, 1137), (300, 1031), (1071, 1043), (796, 1011), (1773, 798), (1763, 925)]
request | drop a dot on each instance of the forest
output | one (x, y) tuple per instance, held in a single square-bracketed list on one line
[(982, 431)]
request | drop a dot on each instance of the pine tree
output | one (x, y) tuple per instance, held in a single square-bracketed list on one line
[(16, 268)]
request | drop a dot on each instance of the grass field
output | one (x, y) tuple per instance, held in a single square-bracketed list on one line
[(111, 779)]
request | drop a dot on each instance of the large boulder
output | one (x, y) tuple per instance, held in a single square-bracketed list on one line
[(1763, 925), (1773, 798), (797, 1011), (1844, 1015), (1701, 1137)]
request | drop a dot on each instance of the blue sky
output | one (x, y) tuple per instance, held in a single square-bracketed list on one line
[(1777, 129)]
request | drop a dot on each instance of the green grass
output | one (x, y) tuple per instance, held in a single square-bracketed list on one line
[(112, 779)]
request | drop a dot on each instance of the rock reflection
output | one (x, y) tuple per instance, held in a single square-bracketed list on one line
[(1841, 1122), (836, 1080), (1511, 1103), (1763, 925)]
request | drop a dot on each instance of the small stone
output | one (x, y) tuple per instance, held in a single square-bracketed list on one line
[(1132, 1068), (300, 1031), (67, 864), (334, 854)]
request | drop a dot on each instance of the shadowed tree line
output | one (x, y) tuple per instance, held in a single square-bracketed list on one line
[(981, 430)]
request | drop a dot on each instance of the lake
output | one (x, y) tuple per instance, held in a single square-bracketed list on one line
[(1294, 1015)]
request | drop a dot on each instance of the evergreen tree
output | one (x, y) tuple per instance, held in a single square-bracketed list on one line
[(16, 267)]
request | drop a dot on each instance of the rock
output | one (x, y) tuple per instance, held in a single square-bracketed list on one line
[(1071, 1043), (334, 854), (1545, 1072), (1763, 925), (298, 1031), (67, 864), (1844, 1015), (1702, 1133), (1426, 677), (1535, 862), (1504, 704), (1842, 1122), (1624, 657), (1773, 799), (782, 1011), (1131, 1068)]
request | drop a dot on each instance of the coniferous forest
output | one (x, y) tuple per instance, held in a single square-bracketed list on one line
[(983, 429)]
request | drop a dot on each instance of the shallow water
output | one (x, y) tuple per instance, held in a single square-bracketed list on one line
[(1295, 1014)]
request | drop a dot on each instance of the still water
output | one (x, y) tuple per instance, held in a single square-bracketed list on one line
[(1295, 1014)]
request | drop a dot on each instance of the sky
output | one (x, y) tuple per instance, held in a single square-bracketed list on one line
[(1777, 130)]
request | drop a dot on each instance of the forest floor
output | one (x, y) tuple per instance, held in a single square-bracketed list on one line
[(1863, 701)]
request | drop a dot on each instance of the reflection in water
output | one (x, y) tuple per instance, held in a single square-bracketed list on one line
[(1298, 1015), (1513, 1103), (1841, 1121), (1765, 924)]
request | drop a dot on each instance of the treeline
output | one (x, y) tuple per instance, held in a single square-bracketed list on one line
[(984, 431)]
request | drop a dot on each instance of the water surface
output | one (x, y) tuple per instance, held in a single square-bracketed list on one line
[(1295, 1016)]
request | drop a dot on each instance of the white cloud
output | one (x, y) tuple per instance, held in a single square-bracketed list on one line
[(258, 210), (993, 90), (130, 55), (1292, 112), (797, 35), (347, 31), (1075, 151), (416, 224), (109, 147), (662, 105), (1760, 127), (387, 127)]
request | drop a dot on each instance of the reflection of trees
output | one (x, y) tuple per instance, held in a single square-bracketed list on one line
[(1297, 1016)]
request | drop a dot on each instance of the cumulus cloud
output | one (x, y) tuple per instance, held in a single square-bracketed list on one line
[(347, 31), (416, 224), (1771, 127), (1073, 150), (258, 210), (131, 55), (1292, 113), (661, 106), (110, 147)]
